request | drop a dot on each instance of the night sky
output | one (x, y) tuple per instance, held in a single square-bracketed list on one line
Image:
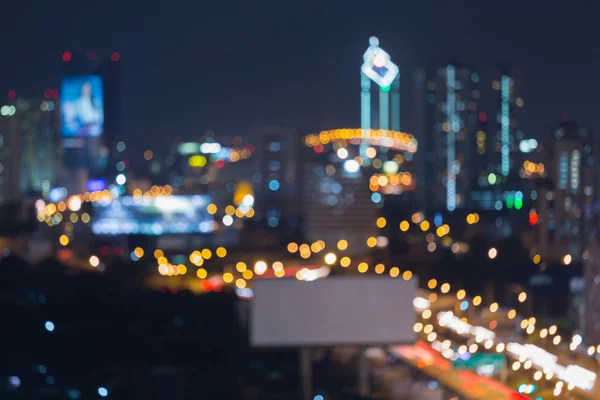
[(192, 66)]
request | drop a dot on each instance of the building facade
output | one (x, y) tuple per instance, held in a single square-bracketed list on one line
[(449, 143)]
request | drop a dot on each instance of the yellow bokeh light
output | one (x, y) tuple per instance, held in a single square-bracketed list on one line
[(381, 222), (182, 269), (536, 259), (404, 225), (363, 267), (280, 273), (379, 269), (522, 297), (432, 284), (277, 266), (372, 241), (247, 274), (371, 152), (476, 300), (162, 260), (345, 261), (228, 277), (470, 219), (240, 266), (493, 307), (512, 314), (230, 210), (197, 161), (445, 288), (64, 240), (206, 254), (221, 252), (424, 226), (201, 273), (158, 254), (394, 272), (342, 244), (292, 247), (85, 218), (139, 252), (240, 283), (407, 275), (211, 209), (461, 294), (315, 247)]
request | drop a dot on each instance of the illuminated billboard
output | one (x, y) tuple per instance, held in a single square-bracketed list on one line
[(82, 106), (153, 215), (336, 311)]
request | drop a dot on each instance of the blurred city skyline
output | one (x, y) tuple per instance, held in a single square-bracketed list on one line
[(189, 69)]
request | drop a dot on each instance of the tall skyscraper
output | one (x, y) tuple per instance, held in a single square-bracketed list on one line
[(569, 209), (450, 139), (10, 159), (277, 157), (508, 129), (28, 146), (337, 203)]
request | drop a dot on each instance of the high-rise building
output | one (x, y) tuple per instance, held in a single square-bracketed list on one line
[(569, 210), (29, 147), (450, 139), (10, 160), (338, 203), (276, 183), (508, 132), (591, 292)]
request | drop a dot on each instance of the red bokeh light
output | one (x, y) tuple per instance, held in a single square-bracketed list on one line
[(91, 55), (51, 94), (206, 285), (482, 116), (318, 149), (220, 163), (12, 93), (533, 218), (115, 56), (66, 56)]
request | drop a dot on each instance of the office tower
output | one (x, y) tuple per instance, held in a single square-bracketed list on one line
[(10, 159), (568, 211), (508, 130), (28, 146), (450, 139), (276, 160), (337, 203)]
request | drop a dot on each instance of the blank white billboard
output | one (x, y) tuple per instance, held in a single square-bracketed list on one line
[(333, 311)]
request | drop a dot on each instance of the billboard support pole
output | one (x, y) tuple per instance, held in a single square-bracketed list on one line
[(306, 373), (363, 373)]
